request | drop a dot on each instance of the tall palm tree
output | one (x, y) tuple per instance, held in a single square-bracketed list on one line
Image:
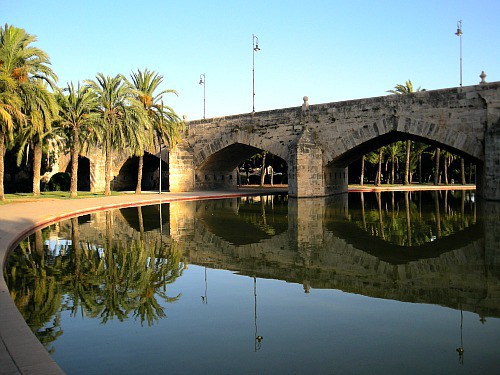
[(10, 117), (25, 70), (41, 109), (163, 120), (78, 112), (121, 118), (399, 89), (437, 156)]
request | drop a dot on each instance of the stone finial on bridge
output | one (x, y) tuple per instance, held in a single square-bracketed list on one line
[(482, 76), (305, 105)]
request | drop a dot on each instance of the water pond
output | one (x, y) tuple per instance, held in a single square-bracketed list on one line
[(362, 283)]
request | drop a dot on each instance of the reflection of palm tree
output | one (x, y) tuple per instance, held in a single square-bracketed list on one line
[(408, 219), (34, 289)]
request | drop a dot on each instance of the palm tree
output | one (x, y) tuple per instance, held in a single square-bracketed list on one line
[(10, 117), (399, 89), (77, 113), (25, 70), (121, 118), (162, 118), (437, 155), (393, 151), (41, 109)]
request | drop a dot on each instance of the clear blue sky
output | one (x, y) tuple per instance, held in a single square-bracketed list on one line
[(326, 49)]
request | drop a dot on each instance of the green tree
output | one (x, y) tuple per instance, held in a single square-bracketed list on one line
[(23, 97), (121, 118), (165, 123), (78, 113), (41, 110), (405, 89)]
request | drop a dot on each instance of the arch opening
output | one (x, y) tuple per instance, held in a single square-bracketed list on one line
[(239, 164), (454, 167), (127, 176)]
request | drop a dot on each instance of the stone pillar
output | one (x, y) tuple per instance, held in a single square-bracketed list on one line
[(307, 176), (305, 167), (181, 168), (489, 177), (97, 171)]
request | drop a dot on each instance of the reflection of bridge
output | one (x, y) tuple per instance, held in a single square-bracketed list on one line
[(298, 243), (319, 141)]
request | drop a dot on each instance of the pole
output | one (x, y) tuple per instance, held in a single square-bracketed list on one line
[(253, 73)]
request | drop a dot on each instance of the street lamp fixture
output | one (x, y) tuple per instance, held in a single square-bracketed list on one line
[(202, 82), (459, 34), (255, 48)]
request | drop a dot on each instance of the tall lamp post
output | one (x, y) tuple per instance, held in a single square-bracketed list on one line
[(255, 48), (202, 82), (459, 34)]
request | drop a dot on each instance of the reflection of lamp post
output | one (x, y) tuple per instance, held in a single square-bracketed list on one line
[(461, 349), (204, 298), (202, 82), (258, 338), (255, 48), (459, 34)]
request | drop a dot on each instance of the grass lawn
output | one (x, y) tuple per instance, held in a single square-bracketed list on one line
[(28, 197)]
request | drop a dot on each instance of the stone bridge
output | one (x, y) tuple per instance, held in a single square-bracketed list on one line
[(318, 142)]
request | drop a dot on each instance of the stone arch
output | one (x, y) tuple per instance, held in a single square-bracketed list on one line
[(83, 181), (369, 137), (219, 170), (245, 138), (125, 176)]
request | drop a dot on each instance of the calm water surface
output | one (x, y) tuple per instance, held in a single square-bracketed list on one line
[(360, 283)]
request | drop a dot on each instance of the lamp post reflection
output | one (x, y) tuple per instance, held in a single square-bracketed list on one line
[(258, 338), (460, 350), (204, 298)]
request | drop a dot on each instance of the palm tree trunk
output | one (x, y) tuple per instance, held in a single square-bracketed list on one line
[(74, 165), (378, 180), (438, 215), (420, 179), (362, 170), (392, 169), (408, 217), (263, 170), (37, 165), (2, 165), (39, 243), (139, 174), (107, 167), (462, 170), (436, 168), (407, 162), (445, 170)]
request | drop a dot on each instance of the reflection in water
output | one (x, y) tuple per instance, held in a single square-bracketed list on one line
[(421, 247)]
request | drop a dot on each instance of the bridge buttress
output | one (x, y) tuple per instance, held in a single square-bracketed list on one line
[(97, 172), (489, 174), (307, 174), (181, 168)]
